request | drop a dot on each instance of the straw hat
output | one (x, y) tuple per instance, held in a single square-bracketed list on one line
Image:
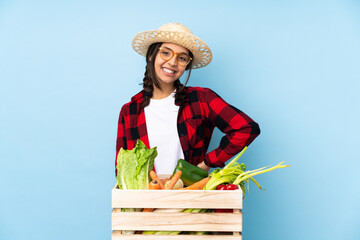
[(174, 33)]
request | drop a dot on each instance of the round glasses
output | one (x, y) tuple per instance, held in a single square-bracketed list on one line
[(166, 54)]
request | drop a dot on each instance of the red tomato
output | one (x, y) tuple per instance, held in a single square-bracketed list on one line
[(221, 187), (232, 187), (227, 187)]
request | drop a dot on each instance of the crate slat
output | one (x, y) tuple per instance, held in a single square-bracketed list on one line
[(177, 221), (117, 236), (210, 199), (230, 223)]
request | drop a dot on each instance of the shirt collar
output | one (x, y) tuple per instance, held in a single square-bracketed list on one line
[(138, 98)]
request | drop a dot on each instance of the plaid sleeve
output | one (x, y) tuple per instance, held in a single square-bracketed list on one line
[(121, 139), (240, 130)]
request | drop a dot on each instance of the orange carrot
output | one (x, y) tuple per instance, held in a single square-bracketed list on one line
[(154, 176), (153, 185), (198, 185), (171, 183), (148, 210)]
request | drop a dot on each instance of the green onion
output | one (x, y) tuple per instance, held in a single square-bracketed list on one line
[(235, 173)]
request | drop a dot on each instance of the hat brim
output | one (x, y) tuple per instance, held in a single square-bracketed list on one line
[(200, 50)]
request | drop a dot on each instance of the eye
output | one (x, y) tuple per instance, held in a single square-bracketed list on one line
[(165, 52), (183, 58)]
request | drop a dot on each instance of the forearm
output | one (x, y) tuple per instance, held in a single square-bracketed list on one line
[(239, 129), (204, 166)]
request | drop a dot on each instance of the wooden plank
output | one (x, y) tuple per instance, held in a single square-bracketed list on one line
[(117, 236), (237, 211), (210, 199), (178, 221)]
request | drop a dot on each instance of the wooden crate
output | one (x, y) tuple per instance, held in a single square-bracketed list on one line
[(228, 225)]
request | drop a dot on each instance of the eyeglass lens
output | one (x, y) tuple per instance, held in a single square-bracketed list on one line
[(182, 58)]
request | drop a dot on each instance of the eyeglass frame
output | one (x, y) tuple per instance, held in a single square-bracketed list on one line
[(175, 53)]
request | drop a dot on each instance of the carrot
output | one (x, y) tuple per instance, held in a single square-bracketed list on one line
[(198, 185), (171, 183), (153, 185), (148, 210), (154, 176)]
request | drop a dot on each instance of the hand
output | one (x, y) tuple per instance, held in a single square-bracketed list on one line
[(203, 166)]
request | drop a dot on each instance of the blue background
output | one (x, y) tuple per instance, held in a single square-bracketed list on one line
[(67, 67)]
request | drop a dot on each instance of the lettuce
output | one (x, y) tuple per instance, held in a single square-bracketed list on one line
[(133, 166)]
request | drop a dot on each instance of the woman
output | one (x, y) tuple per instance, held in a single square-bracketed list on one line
[(180, 120)]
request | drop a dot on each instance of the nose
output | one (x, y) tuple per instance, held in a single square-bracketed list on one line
[(173, 60)]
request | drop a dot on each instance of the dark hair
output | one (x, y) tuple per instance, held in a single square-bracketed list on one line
[(150, 78)]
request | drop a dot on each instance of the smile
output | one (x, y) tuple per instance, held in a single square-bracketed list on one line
[(166, 70)]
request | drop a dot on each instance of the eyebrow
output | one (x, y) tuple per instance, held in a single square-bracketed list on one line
[(174, 51)]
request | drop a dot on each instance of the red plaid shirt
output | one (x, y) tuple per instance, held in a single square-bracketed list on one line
[(202, 110)]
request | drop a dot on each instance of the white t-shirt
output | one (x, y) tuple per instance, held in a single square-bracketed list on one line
[(161, 123)]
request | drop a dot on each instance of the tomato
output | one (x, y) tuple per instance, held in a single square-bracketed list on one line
[(227, 187), (221, 187), (232, 187)]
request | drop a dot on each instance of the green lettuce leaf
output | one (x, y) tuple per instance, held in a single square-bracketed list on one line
[(133, 166)]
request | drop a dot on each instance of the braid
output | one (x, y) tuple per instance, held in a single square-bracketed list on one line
[(148, 88), (149, 81), (180, 94)]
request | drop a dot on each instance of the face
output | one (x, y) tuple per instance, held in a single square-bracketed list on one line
[(169, 71)]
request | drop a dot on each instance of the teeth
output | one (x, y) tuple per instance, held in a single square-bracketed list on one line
[(168, 70)]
